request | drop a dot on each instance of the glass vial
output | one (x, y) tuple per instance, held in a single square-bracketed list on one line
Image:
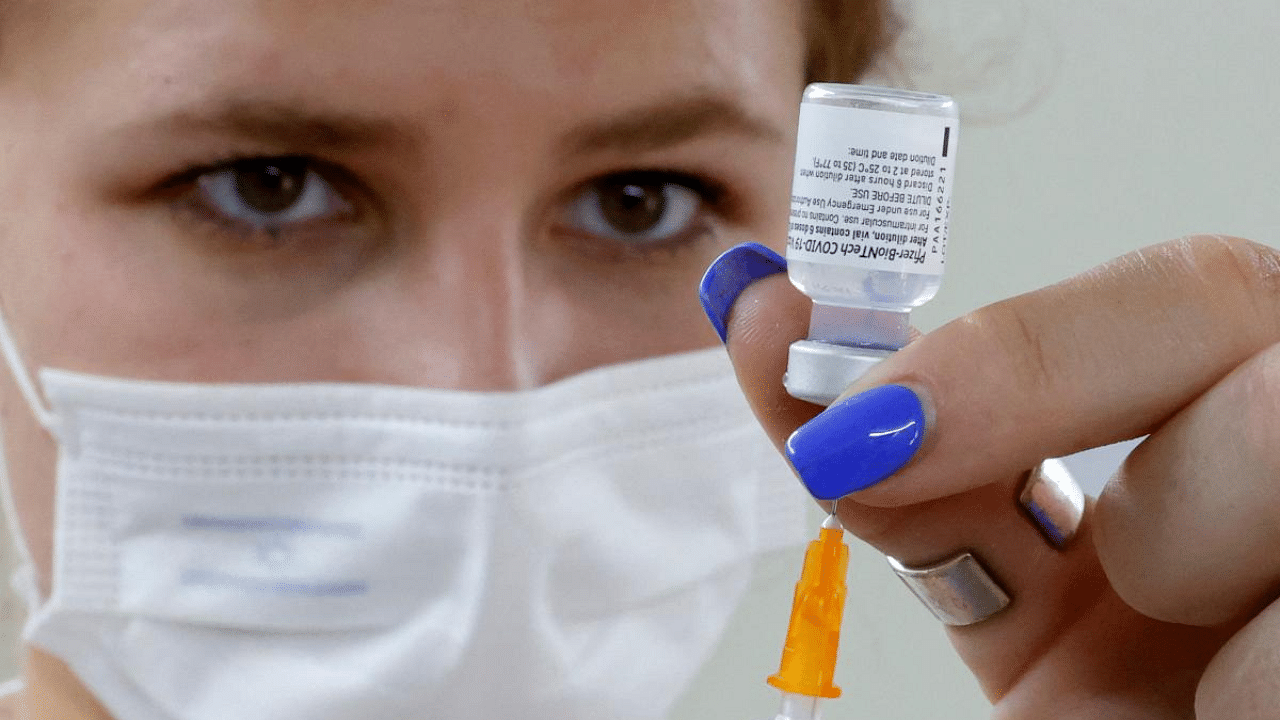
[(870, 207)]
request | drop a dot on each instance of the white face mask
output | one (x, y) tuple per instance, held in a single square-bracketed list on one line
[(333, 552)]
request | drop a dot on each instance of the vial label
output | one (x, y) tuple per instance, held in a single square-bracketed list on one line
[(872, 189)]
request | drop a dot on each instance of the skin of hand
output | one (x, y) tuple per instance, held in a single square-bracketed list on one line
[(1164, 605)]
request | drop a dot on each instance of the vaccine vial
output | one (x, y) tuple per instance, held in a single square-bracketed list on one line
[(867, 241)]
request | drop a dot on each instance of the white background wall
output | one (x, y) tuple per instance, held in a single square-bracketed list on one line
[(1152, 119)]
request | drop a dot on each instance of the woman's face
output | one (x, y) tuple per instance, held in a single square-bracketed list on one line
[(470, 194)]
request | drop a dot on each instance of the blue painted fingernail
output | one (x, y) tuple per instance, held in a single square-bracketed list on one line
[(730, 274), (857, 442)]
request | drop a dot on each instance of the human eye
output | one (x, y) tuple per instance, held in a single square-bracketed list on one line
[(266, 196), (640, 209)]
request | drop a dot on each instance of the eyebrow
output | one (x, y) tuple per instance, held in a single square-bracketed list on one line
[(293, 124), (672, 123), (288, 124)]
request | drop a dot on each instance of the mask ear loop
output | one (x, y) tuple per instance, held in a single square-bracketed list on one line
[(23, 378), (23, 585)]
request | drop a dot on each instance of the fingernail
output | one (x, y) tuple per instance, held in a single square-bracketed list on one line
[(730, 274), (857, 442)]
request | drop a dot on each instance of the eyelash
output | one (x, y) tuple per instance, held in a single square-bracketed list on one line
[(186, 186), (712, 198)]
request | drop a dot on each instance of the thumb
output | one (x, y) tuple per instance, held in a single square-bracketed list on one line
[(758, 314)]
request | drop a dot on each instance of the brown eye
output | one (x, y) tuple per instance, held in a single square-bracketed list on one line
[(637, 208), (632, 207), (270, 193), (270, 186)]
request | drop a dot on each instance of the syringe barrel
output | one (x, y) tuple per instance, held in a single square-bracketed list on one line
[(799, 707)]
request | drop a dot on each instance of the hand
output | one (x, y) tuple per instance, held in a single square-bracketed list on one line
[(1164, 604)]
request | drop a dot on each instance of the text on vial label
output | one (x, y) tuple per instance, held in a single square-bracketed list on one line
[(871, 189)]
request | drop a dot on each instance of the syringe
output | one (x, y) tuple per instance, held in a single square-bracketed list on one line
[(813, 637)]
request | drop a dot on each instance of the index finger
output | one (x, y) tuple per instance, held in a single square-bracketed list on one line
[(1102, 357)]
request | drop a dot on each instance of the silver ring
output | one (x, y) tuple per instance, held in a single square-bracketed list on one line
[(958, 591), (1054, 501)]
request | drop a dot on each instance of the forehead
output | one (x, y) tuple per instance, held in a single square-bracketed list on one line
[(405, 56)]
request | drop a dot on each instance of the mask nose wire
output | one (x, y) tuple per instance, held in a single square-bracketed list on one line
[(23, 378)]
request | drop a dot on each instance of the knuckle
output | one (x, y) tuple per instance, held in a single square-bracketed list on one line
[(1232, 270), (1015, 333)]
